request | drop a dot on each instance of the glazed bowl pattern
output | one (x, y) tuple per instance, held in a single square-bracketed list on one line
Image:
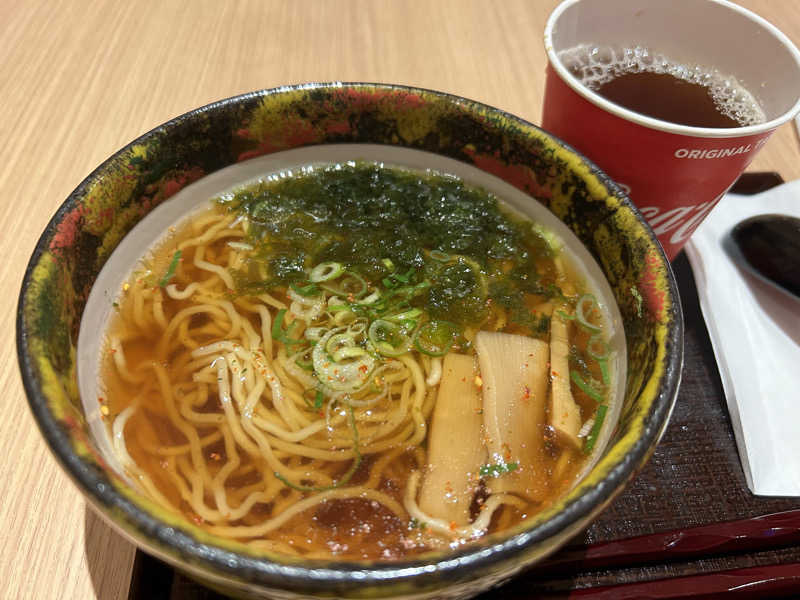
[(118, 194)]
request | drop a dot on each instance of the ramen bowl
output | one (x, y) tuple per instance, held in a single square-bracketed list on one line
[(232, 141)]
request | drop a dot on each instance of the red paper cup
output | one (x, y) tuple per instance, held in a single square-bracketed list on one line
[(674, 173)]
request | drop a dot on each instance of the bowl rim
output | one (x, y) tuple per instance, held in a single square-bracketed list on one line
[(183, 550)]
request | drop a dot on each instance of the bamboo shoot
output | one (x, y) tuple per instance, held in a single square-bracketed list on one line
[(455, 451), (514, 373)]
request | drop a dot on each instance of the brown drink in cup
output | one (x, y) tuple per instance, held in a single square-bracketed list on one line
[(671, 99)]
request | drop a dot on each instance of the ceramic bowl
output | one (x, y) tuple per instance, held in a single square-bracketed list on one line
[(214, 139)]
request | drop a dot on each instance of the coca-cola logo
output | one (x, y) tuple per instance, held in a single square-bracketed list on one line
[(681, 220)]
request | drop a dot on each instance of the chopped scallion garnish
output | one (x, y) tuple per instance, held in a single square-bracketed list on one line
[(306, 290), (435, 338), (388, 337), (585, 387), (173, 266), (279, 333), (591, 439), (497, 469), (586, 305), (326, 271)]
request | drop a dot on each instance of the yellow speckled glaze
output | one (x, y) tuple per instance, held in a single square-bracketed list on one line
[(111, 200)]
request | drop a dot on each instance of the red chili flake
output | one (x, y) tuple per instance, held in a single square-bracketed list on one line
[(215, 456), (506, 452), (198, 519), (526, 394), (453, 525), (363, 368)]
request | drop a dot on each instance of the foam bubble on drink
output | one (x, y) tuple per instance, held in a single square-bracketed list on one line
[(595, 65)]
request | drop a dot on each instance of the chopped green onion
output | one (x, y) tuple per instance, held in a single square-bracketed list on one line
[(408, 324), (358, 326), (406, 315), (440, 256), (585, 387), (564, 316), (307, 290), (373, 297), (314, 333), (173, 266), (343, 317), (387, 262), (351, 284), (591, 439), (278, 332), (406, 277), (345, 352), (319, 398), (585, 306), (549, 238), (326, 271), (388, 338), (597, 348), (338, 340), (604, 371), (497, 469), (396, 278), (435, 338), (341, 376)]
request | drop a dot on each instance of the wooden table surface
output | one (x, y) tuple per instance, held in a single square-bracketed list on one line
[(80, 79)]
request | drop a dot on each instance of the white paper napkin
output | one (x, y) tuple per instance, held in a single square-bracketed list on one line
[(755, 332)]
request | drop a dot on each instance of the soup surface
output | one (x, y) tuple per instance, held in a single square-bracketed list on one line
[(356, 361)]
